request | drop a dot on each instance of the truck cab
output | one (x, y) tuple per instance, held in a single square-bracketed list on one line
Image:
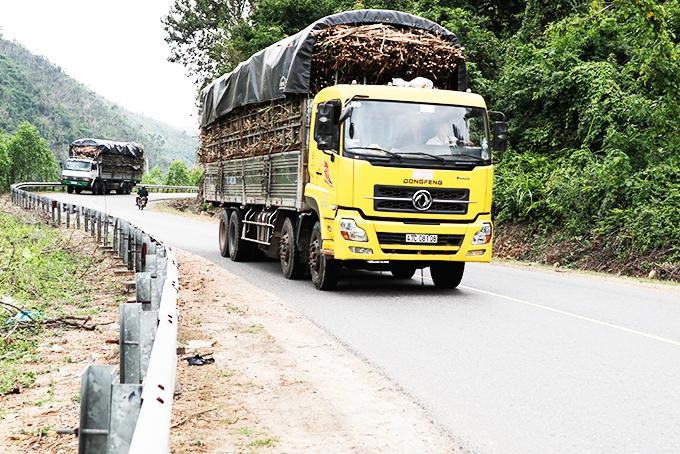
[(78, 174), (401, 178)]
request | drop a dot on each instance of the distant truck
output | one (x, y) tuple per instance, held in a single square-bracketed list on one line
[(102, 166), (321, 153)]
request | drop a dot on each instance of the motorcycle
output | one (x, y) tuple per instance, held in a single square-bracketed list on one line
[(141, 202)]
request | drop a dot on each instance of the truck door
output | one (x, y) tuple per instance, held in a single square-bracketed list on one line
[(324, 154)]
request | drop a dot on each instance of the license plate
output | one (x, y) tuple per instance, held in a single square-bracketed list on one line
[(420, 238)]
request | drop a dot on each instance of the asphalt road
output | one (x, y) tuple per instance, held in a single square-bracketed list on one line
[(517, 360)]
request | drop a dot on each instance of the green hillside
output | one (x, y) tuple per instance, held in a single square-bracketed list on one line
[(33, 89)]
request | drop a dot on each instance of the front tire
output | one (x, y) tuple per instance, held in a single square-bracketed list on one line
[(79, 190), (323, 270), (224, 234), (447, 274), (239, 249), (289, 254), (69, 189), (97, 187)]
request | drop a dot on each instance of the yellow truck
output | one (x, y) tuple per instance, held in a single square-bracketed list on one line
[(324, 165)]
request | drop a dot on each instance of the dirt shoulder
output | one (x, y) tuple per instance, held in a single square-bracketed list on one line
[(31, 413), (279, 383)]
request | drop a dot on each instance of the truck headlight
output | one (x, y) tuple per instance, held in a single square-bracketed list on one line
[(351, 231), (483, 235)]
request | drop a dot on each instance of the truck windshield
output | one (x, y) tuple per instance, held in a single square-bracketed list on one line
[(434, 132), (78, 165)]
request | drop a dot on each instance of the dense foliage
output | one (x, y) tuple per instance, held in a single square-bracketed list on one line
[(591, 90), (25, 156), (178, 175), (34, 90)]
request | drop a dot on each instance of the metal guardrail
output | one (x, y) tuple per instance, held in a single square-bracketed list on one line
[(164, 188), (56, 186), (128, 411)]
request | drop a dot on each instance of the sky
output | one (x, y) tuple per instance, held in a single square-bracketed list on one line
[(87, 37)]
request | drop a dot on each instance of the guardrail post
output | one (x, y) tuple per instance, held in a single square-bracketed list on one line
[(130, 249), (122, 242), (143, 288), (93, 223), (147, 334), (121, 238), (78, 210), (86, 219), (114, 243), (106, 231), (99, 226), (60, 207), (158, 279), (144, 248), (126, 401), (129, 343), (95, 409), (140, 251)]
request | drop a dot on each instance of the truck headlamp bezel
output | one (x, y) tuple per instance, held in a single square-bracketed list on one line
[(350, 231), (483, 235)]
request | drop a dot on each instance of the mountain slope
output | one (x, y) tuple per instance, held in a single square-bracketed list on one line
[(33, 89)]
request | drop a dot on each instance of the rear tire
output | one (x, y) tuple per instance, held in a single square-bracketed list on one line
[(323, 269), (289, 254), (79, 190), (69, 189), (239, 250), (224, 234), (447, 274), (401, 271)]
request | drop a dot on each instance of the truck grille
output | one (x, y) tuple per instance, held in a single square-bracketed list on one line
[(400, 198), (400, 238)]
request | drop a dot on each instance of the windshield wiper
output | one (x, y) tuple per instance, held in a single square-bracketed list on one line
[(420, 153), (475, 157), (388, 153)]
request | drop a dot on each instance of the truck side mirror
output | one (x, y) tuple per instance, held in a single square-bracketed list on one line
[(500, 133), (326, 126)]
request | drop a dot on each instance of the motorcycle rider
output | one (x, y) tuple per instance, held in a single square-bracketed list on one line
[(142, 195)]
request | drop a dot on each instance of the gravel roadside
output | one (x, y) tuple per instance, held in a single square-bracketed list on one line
[(279, 383)]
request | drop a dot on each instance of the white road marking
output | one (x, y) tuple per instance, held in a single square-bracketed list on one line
[(579, 317)]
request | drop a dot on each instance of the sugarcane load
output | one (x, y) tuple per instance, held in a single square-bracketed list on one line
[(352, 144)]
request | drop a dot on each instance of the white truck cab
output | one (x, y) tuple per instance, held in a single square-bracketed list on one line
[(78, 174)]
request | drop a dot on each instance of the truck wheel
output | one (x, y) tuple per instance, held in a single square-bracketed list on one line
[(239, 250), (79, 190), (324, 270), (224, 234), (289, 255), (69, 189), (127, 188), (447, 274), (97, 187), (402, 271)]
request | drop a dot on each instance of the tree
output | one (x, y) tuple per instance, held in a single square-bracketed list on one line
[(178, 174), (30, 156), (198, 33), (154, 176), (5, 162), (195, 176)]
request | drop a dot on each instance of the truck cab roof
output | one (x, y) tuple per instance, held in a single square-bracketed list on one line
[(404, 94)]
